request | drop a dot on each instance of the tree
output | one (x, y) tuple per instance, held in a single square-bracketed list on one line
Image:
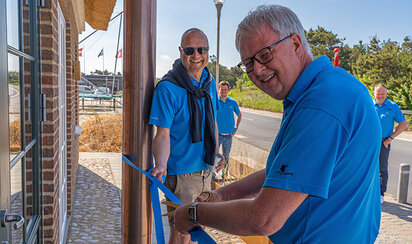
[(231, 75), (388, 63), (323, 42)]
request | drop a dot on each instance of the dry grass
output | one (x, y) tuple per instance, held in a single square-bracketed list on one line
[(102, 133), (15, 135)]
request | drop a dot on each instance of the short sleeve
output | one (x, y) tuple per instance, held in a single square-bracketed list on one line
[(237, 110), (399, 117), (162, 112), (310, 147)]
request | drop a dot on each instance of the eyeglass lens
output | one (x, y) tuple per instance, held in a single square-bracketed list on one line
[(263, 57), (191, 50)]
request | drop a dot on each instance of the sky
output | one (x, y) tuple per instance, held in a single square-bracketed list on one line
[(354, 20)]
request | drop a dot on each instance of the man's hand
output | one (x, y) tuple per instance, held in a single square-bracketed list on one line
[(387, 142), (235, 131), (182, 223), (158, 172), (221, 163), (213, 196)]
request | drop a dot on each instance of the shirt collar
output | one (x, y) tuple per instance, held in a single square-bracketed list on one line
[(227, 99), (202, 78), (305, 78), (385, 103)]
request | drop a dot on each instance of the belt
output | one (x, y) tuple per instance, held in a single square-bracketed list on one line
[(201, 173)]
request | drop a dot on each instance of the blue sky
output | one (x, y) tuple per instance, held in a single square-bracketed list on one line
[(353, 19)]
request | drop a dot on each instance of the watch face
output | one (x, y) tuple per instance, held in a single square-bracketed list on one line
[(191, 214)]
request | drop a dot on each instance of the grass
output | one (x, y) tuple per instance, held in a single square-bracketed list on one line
[(254, 98)]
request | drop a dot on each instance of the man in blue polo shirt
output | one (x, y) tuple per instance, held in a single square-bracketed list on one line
[(321, 181), (226, 122), (184, 110), (388, 112)]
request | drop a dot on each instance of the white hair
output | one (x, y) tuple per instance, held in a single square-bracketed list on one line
[(281, 19)]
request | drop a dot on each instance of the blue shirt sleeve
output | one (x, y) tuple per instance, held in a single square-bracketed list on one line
[(162, 112), (399, 117), (237, 110), (306, 158)]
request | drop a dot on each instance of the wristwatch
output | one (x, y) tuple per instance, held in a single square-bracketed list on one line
[(192, 215)]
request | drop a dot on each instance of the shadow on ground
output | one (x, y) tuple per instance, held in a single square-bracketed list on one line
[(403, 211)]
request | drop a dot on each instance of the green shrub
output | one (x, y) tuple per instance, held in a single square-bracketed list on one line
[(251, 97)]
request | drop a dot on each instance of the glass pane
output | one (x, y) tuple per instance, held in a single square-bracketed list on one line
[(13, 23), (16, 199), (14, 104)]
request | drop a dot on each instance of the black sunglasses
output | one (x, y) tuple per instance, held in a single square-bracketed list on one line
[(190, 50)]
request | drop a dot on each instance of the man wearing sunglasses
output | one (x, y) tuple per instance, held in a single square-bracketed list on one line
[(321, 181), (184, 110)]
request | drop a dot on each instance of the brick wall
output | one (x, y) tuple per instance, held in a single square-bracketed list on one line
[(49, 83)]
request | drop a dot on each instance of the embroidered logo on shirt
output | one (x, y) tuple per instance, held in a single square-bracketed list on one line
[(284, 170)]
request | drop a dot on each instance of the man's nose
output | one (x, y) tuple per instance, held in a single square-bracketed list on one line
[(258, 68), (196, 53)]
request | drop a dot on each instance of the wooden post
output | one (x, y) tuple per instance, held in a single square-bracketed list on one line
[(139, 76)]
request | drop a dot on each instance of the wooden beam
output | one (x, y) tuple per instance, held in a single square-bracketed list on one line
[(139, 76)]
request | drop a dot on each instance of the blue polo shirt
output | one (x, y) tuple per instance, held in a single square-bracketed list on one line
[(328, 147), (388, 113), (225, 118), (170, 110)]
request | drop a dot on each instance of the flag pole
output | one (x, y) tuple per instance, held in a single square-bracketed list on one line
[(117, 54), (103, 60), (84, 61)]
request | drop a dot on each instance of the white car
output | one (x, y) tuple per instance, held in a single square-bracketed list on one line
[(101, 90), (85, 89)]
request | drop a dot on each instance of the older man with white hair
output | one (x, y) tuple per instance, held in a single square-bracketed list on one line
[(321, 181), (389, 113)]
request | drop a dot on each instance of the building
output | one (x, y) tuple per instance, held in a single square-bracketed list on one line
[(40, 112), (104, 81)]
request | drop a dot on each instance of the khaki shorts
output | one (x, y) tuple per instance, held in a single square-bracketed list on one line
[(187, 187)]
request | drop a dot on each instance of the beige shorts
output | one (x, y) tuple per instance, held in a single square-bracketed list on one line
[(187, 187)]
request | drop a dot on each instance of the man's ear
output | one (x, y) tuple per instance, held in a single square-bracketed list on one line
[(297, 44)]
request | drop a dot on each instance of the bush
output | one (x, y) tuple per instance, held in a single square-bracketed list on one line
[(254, 98)]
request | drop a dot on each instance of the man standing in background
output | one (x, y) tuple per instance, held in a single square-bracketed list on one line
[(388, 112), (226, 122)]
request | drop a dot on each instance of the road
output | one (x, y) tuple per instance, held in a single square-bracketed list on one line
[(259, 128)]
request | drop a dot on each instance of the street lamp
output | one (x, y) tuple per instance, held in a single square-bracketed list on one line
[(219, 5)]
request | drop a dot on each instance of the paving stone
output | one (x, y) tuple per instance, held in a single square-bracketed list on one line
[(96, 216)]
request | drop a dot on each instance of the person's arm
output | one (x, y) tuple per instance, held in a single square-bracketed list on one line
[(161, 152), (239, 118), (399, 129), (247, 187), (264, 215), (221, 163)]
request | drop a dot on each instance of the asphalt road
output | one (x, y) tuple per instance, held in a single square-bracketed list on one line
[(259, 128)]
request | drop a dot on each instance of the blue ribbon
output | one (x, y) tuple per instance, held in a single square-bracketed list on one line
[(196, 234)]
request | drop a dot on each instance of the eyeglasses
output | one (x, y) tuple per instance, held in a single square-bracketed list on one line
[(263, 56), (190, 50)]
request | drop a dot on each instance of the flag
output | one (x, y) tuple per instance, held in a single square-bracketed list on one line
[(101, 53), (119, 54), (80, 52)]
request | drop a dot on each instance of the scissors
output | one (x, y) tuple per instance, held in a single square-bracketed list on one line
[(175, 205)]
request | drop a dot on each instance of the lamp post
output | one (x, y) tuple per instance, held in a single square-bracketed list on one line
[(219, 5)]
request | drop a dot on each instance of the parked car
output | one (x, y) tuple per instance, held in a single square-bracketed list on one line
[(101, 90), (85, 89)]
